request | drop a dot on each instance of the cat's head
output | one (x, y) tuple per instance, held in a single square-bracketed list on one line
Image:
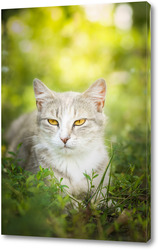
[(70, 121)]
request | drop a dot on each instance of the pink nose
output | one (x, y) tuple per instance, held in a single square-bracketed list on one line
[(65, 139)]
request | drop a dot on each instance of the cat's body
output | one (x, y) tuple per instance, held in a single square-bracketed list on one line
[(66, 133)]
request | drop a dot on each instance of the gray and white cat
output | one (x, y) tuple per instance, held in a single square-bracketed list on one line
[(65, 133)]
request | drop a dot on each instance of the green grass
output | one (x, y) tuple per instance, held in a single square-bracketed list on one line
[(36, 206)]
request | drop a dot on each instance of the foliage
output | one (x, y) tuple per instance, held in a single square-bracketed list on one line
[(68, 48), (35, 205)]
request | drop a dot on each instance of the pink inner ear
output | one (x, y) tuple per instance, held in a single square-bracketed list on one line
[(101, 100), (102, 94), (97, 93), (39, 105), (38, 100), (39, 93), (100, 105)]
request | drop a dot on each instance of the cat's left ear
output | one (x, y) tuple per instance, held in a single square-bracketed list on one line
[(42, 93), (96, 93)]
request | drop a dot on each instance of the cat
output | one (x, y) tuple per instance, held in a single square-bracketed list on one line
[(66, 133)]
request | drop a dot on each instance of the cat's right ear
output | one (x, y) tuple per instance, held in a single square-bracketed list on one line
[(42, 93), (96, 93)]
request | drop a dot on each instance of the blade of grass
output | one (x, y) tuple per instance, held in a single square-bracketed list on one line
[(99, 188), (101, 182)]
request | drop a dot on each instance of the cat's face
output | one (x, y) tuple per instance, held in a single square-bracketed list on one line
[(71, 122)]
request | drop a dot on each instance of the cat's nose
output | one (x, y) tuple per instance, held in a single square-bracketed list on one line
[(64, 140)]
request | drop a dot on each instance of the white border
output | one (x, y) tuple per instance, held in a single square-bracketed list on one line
[(18, 243), (9, 4)]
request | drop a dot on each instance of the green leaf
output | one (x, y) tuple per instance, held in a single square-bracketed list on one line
[(95, 176), (87, 176), (19, 145), (11, 153), (61, 179)]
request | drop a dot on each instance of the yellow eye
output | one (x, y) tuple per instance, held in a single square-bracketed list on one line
[(53, 122), (79, 122)]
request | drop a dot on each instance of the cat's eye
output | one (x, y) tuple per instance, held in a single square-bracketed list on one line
[(53, 122), (79, 122)]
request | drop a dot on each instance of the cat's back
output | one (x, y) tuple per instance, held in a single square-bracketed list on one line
[(23, 127)]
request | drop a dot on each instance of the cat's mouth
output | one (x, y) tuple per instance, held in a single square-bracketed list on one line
[(66, 150), (65, 146)]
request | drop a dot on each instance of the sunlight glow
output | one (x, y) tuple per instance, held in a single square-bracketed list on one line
[(16, 26), (123, 17), (99, 13), (25, 46), (119, 77)]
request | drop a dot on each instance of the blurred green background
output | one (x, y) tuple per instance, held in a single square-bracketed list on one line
[(70, 47)]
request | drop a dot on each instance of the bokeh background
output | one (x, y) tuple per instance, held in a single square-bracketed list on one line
[(69, 47)]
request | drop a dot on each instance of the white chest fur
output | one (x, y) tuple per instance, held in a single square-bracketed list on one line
[(71, 167)]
